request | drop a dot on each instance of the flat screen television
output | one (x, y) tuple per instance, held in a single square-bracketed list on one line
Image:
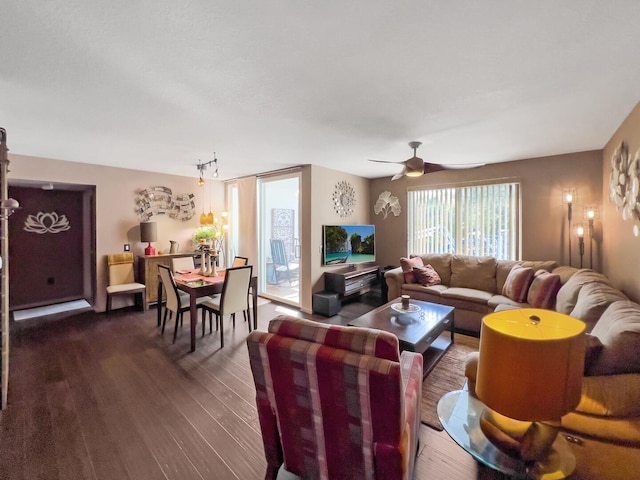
[(348, 244)]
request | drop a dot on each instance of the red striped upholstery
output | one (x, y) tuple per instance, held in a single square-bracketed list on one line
[(329, 408)]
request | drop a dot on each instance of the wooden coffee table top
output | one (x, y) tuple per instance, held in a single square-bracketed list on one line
[(410, 328)]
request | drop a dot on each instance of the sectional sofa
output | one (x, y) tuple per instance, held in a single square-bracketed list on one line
[(610, 404)]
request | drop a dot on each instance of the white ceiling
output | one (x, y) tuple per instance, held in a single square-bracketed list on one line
[(156, 85)]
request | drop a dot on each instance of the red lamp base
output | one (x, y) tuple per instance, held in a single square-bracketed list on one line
[(149, 250)]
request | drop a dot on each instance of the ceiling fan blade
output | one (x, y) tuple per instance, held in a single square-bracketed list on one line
[(436, 167), (397, 176), (433, 167), (383, 161)]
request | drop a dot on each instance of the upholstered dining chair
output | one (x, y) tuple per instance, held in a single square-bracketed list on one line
[(176, 303), (181, 264), (239, 261), (122, 279), (234, 298), (335, 402)]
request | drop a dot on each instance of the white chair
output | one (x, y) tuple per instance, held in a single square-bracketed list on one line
[(122, 279), (234, 298), (239, 262), (182, 264), (176, 303)]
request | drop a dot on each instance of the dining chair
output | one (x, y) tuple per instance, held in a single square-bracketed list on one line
[(239, 261), (182, 264), (176, 303), (234, 298), (122, 279), (281, 264)]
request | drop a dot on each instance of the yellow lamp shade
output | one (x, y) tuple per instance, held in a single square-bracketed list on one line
[(531, 363)]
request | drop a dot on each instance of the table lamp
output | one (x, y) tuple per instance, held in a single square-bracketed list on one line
[(149, 233), (530, 370)]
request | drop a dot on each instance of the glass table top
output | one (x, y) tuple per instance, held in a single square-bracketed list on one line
[(460, 414)]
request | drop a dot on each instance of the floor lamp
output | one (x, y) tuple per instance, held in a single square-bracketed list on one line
[(580, 234), (590, 214), (568, 197)]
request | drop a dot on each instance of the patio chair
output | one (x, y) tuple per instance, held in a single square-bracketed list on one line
[(281, 264)]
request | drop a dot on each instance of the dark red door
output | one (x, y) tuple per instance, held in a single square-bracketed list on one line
[(45, 247)]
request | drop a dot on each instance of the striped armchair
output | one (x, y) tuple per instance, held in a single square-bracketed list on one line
[(335, 402)]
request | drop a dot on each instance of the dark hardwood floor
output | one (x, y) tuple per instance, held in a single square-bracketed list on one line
[(108, 397)]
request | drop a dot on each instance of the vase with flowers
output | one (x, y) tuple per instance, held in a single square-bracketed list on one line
[(204, 235)]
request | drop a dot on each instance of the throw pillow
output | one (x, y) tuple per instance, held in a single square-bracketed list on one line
[(517, 284), (543, 290), (407, 265), (427, 275)]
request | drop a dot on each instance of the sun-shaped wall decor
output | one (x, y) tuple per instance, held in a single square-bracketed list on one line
[(344, 198)]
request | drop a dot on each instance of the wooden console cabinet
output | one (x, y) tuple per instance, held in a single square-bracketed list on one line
[(351, 280), (148, 271)]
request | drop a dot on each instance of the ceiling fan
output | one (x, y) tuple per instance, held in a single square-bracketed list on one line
[(416, 167)]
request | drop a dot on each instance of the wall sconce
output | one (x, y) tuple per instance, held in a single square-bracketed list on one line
[(568, 197), (590, 214), (7, 207), (579, 230)]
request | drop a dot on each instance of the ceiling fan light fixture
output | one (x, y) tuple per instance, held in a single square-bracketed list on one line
[(414, 166)]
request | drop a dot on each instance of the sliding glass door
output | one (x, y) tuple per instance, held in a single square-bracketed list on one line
[(279, 237)]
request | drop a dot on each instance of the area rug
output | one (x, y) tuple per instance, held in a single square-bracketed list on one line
[(448, 375)]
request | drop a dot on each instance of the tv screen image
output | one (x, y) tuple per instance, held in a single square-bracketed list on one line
[(348, 244)]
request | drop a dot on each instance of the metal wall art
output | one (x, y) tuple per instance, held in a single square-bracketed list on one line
[(344, 198), (386, 204), (624, 184), (42, 223), (161, 201)]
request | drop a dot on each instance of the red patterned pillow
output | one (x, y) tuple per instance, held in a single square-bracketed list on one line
[(543, 290), (427, 275), (407, 265), (517, 284)]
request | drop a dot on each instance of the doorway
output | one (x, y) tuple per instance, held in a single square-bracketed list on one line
[(52, 245), (279, 237)]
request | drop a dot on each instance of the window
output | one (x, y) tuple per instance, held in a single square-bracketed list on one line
[(470, 220)]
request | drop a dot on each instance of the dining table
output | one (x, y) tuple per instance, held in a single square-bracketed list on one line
[(197, 285)]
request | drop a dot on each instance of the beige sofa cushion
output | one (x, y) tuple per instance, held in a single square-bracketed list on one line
[(568, 293), (565, 273), (619, 331), (503, 267), (478, 273), (547, 265), (593, 300), (441, 262)]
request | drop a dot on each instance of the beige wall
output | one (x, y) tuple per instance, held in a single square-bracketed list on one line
[(621, 248), (616, 250), (544, 217), (116, 220), (318, 187)]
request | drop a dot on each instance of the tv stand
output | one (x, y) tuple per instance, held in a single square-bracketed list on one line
[(351, 280)]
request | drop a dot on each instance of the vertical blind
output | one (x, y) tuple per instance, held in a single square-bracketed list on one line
[(471, 220)]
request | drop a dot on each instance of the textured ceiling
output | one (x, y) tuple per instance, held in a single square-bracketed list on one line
[(156, 85)]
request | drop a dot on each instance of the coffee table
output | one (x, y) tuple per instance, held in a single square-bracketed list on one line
[(423, 331)]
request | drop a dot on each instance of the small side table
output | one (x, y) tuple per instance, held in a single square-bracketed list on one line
[(460, 414)]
